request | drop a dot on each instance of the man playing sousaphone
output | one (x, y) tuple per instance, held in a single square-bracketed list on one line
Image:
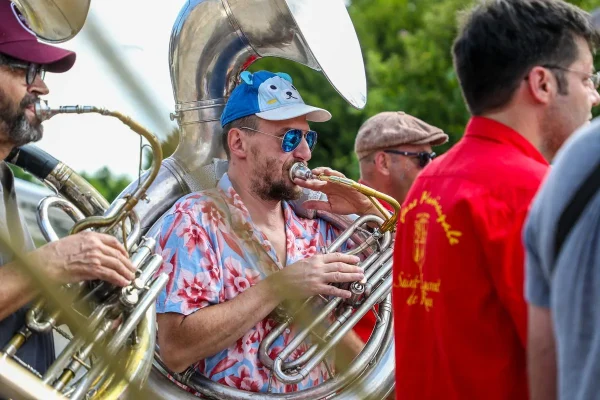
[(83, 256), (235, 252)]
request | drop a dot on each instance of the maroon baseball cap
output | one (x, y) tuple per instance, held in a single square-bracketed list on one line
[(17, 40)]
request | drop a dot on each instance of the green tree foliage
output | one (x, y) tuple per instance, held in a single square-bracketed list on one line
[(20, 173), (406, 45), (108, 184)]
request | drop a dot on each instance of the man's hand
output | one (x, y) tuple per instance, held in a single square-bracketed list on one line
[(340, 199), (85, 256), (312, 276)]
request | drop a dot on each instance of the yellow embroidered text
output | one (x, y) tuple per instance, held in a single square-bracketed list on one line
[(451, 235)]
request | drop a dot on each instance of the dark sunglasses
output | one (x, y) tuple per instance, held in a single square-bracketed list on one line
[(31, 69), (292, 138), (423, 156)]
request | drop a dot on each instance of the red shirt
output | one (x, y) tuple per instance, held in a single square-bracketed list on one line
[(459, 311)]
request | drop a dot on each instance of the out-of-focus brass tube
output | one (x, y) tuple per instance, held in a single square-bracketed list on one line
[(390, 220), (132, 200)]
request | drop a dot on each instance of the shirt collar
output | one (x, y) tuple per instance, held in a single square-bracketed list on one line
[(224, 184), (233, 198), (489, 129)]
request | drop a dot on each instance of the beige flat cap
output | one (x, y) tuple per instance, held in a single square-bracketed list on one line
[(394, 128)]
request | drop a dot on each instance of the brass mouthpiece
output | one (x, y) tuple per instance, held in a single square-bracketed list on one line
[(301, 171), (44, 112)]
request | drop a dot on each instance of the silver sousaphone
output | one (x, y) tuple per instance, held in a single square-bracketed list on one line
[(212, 42)]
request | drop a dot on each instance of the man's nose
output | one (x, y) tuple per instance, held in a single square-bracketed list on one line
[(38, 87), (595, 98), (302, 152)]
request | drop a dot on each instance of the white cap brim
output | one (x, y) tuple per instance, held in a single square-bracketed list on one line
[(313, 114)]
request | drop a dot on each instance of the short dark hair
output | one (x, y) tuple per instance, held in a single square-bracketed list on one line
[(250, 121), (501, 40)]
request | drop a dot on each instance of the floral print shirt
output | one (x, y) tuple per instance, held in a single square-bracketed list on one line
[(213, 252)]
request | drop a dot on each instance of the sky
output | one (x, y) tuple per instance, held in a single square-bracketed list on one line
[(139, 34)]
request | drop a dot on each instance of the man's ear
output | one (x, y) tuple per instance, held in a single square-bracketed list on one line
[(238, 145), (542, 84), (382, 163)]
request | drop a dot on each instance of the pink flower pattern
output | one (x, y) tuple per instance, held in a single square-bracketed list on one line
[(213, 252)]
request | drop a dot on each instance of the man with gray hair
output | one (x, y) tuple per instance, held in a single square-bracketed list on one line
[(392, 148)]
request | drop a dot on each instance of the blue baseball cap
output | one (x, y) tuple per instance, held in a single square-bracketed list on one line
[(269, 96)]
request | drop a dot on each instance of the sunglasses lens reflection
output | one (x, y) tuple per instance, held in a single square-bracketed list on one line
[(291, 140), (293, 137), (311, 139)]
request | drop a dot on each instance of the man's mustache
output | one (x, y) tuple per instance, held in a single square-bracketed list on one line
[(28, 100)]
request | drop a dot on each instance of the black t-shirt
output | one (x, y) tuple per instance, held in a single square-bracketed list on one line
[(38, 350)]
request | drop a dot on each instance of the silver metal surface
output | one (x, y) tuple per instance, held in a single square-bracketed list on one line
[(13, 377), (43, 217), (118, 340), (318, 19), (300, 171), (54, 21)]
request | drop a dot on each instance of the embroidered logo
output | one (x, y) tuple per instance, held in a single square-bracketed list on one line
[(421, 289)]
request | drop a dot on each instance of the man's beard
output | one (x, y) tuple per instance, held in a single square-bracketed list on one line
[(18, 129), (557, 127), (270, 186)]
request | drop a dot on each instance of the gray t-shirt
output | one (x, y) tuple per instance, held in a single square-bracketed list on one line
[(570, 284), (38, 351)]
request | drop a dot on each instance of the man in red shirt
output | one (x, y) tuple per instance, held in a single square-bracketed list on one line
[(392, 147), (525, 70)]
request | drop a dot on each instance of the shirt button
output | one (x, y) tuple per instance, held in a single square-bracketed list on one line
[(287, 331)]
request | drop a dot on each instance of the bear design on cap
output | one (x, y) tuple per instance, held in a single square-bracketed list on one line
[(273, 92)]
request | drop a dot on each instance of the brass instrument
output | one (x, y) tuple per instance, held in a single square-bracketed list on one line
[(363, 379), (377, 266), (212, 42), (106, 321)]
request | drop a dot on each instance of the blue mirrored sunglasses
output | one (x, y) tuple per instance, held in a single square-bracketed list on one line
[(292, 138)]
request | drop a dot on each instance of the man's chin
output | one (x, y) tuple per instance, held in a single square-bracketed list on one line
[(32, 136)]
